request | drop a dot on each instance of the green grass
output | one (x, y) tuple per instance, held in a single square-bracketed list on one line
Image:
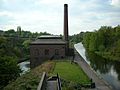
[(72, 75), (71, 72)]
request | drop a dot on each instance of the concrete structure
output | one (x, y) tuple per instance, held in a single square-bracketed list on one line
[(50, 46)]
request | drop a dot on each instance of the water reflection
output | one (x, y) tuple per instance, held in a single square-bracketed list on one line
[(117, 68), (102, 65), (98, 63), (108, 70)]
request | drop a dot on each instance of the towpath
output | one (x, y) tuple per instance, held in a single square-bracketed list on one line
[(99, 82)]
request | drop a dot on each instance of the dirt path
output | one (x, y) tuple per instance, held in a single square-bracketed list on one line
[(99, 82)]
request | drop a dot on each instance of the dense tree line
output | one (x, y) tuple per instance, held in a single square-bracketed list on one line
[(104, 42), (20, 40), (8, 62), (76, 38), (21, 33), (14, 46)]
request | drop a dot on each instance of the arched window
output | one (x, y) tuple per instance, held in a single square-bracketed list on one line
[(56, 52)]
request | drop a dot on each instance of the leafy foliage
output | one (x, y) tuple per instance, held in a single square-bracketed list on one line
[(76, 38), (30, 80), (14, 48), (105, 42), (21, 33), (19, 41), (8, 63), (72, 76)]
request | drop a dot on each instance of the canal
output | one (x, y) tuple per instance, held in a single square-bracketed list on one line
[(24, 66), (108, 70)]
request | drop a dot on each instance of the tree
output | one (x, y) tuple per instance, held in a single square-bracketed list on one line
[(9, 69), (86, 39), (26, 47), (93, 42), (105, 42), (10, 32)]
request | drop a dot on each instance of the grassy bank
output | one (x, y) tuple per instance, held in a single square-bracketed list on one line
[(30, 80), (71, 74)]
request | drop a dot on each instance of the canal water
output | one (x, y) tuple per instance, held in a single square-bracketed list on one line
[(108, 70), (24, 66)]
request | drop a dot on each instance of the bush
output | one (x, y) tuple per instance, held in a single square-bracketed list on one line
[(8, 70)]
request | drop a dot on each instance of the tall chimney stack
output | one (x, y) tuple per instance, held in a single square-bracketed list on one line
[(66, 27)]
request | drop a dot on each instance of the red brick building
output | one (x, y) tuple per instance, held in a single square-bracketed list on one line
[(50, 46), (46, 48)]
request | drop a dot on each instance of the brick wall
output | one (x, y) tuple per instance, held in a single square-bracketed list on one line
[(37, 53)]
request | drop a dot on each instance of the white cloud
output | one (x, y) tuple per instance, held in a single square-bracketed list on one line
[(53, 2), (35, 21), (10, 2), (5, 13), (47, 15), (115, 3)]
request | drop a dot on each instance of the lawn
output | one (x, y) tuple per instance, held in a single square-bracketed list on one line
[(71, 72)]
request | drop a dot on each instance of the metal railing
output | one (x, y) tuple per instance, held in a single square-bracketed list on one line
[(59, 83), (43, 82)]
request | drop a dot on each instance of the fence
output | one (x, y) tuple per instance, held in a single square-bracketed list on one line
[(43, 82), (59, 83)]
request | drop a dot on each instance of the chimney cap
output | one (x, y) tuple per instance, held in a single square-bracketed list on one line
[(65, 4)]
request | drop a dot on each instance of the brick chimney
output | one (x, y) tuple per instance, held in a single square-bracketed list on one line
[(65, 37)]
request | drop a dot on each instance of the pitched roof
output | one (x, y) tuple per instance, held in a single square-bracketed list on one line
[(49, 39)]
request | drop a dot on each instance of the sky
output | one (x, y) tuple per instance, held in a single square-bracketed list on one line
[(47, 15)]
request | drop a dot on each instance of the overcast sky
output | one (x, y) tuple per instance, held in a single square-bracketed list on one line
[(47, 15)]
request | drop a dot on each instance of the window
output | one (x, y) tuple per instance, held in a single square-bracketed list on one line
[(46, 51), (56, 52)]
